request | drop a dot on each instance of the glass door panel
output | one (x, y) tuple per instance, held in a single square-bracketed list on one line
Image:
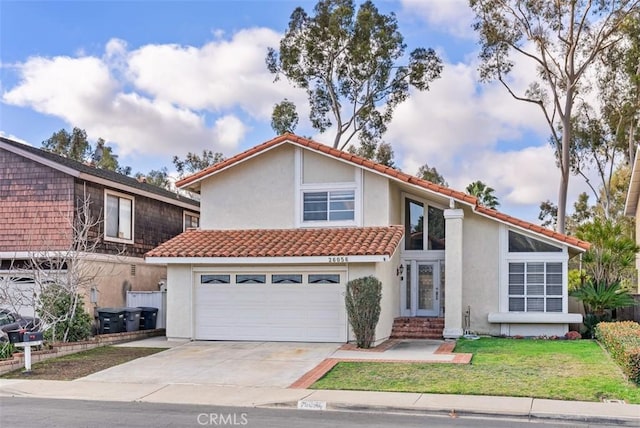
[(425, 287), (421, 289)]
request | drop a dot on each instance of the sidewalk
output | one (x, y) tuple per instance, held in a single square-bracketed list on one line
[(460, 405)]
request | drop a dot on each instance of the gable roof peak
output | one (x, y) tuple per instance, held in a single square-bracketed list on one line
[(388, 172)]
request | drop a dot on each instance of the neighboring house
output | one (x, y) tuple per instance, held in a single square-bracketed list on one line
[(286, 224), (631, 206), (40, 196)]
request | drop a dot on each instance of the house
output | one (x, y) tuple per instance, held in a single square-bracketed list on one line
[(287, 223), (631, 206), (41, 194)]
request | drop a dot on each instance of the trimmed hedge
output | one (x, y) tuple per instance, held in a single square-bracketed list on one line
[(622, 340)]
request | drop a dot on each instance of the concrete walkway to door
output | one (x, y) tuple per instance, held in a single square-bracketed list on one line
[(221, 363)]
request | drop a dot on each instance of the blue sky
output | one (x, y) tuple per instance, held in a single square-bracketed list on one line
[(161, 78)]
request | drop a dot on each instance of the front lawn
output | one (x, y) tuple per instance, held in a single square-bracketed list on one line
[(74, 366), (554, 369)]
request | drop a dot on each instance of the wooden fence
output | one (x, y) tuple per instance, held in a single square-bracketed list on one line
[(631, 313)]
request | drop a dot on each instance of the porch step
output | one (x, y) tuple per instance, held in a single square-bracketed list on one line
[(417, 328)]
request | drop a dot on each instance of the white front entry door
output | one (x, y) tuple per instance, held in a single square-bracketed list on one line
[(421, 289)]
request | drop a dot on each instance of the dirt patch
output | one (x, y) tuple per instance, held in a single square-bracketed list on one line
[(82, 364)]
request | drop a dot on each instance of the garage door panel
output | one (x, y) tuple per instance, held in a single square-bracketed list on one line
[(293, 312)]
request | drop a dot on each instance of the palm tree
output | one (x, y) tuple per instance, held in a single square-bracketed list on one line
[(484, 194)]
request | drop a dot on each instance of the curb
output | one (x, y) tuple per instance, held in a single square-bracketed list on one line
[(457, 413)]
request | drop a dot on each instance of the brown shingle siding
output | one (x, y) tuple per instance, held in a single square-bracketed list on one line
[(35, 206), (155, 222)]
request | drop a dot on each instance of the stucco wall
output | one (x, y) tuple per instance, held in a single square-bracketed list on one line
[(257, 194), (114, 279), (375, 190), (390, 304), (481, 276), (179, 303), (395, 204), (317, 168)]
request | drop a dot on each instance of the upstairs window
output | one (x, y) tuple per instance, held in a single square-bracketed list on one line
[(334, 205), (191, 220), (415, 238), (118, 217)]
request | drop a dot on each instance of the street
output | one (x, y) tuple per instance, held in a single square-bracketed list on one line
[(36, 412)]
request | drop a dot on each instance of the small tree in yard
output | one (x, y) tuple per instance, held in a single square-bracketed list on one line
[(61, 278), (64, 311), (363, 308)]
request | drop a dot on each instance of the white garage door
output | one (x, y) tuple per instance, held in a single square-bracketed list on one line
[(304, 307)]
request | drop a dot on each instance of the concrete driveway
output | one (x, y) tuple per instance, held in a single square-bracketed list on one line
[(222, 363)]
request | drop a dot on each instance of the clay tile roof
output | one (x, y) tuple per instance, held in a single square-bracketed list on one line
[(355, 241), (533, 227), (390, 172)]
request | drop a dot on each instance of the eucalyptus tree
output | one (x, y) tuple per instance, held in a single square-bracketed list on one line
[(284, 117), (353, 66), (430, 173), (564, 39), (193, 162)]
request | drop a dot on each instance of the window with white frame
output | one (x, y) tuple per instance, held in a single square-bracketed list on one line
[(536, 274), (119, 212), (191, 220), (331, 206), (535, 286)]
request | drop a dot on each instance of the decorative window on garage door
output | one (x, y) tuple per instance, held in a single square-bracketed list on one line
[(286, 279), (215, 279), (324, 279), (251, 279)]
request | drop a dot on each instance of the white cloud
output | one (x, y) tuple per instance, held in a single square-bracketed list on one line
[(452, 16), (159, 97), (13, 137), (220, 75)]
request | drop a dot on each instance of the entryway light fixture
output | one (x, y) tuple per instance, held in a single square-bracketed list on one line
[(400, 270)]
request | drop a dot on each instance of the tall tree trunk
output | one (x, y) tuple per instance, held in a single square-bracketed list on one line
[(565, 158)]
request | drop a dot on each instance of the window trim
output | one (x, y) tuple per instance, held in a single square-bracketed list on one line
[(425, 207), (108, 192), (506, 257), (184, 219), (544, 296), (328, 190), (301, 188)]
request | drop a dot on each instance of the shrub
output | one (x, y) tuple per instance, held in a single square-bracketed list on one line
[(6, 350), (573, 335), (363, 308), (63, 313), (622, 340)]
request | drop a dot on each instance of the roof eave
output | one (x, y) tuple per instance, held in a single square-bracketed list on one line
[(164, 260)]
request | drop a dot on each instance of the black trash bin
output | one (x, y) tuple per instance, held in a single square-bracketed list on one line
[(111, 320), (132, 318), (148, 317)]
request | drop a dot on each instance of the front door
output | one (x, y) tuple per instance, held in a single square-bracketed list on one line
[(421, 289)]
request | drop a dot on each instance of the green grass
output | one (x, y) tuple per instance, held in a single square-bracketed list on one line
[(561, 370)]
